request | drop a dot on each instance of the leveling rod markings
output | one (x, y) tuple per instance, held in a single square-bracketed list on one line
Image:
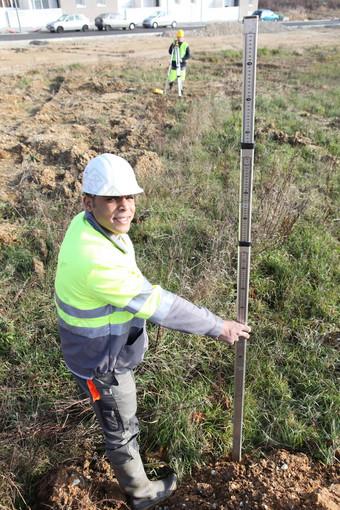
[(246, 194), (246, 185), (249, 78)]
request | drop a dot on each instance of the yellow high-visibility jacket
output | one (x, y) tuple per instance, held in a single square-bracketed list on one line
[(184, 53), (103, 300)]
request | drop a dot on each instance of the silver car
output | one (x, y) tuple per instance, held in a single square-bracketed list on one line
[(69, 22), (159, 19), (111, 21)]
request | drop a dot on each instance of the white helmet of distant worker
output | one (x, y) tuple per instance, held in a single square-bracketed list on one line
[(111, 176)]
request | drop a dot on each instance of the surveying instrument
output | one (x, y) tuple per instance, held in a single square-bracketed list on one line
[(175, 56), (245, 199)]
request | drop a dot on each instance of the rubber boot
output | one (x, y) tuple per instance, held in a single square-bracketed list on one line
[(143, 494)]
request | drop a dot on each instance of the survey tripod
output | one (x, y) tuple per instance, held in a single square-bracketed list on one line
[(175, 56), (245, 199)]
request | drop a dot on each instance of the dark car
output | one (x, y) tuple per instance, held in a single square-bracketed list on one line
[(111, 21)]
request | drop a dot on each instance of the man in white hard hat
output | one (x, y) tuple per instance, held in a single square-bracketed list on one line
[(103, 301)]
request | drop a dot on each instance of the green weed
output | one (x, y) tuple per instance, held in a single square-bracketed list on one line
[(76, 65), (24, 82)]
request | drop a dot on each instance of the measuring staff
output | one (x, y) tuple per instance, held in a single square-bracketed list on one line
[(246, 184)]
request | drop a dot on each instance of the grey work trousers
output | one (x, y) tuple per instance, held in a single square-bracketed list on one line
[(116, 413)]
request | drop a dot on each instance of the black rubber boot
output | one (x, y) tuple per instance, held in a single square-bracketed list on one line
[(143, 494)]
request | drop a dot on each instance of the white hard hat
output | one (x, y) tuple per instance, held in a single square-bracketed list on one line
[(109, 175)]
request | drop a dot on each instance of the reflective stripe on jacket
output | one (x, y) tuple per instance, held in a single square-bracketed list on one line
[(102, 300)]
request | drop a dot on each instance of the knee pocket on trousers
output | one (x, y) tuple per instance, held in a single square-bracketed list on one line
[(107, 407), (112, 420)]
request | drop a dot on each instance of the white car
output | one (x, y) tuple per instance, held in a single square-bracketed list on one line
[(159, 19), (69, 22), (114, 20)]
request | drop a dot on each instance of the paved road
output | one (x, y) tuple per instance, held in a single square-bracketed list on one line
[(313, 23), (44, 35)]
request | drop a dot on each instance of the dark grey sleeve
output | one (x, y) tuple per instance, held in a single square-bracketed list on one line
[(188, 318)]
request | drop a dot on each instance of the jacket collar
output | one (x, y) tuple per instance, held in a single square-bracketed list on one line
[(116, 240)]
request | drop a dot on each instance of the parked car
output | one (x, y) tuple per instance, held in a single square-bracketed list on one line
[(109, 21), (69, 22), (159, 19), (267, 15)]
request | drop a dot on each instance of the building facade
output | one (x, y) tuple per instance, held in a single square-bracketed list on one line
[(17, 15)]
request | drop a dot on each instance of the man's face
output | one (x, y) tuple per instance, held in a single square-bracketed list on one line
[(180, 39), (113, 213)]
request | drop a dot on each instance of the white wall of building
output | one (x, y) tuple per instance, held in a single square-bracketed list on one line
[(184, 11), (90, 8), (190, 13), (16, 19)]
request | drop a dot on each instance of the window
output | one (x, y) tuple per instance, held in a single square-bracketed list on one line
[(150, 3), (40, 4), (80, 3), (101, 3), (9, 3)]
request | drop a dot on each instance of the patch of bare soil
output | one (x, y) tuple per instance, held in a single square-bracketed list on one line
[(277, 480), (54, 119)]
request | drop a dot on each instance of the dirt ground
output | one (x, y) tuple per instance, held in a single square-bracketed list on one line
[(49, 124), (277, 480), (20, 57)]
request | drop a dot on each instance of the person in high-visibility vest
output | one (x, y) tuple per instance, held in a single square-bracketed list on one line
[(184, 55), (103, 301)]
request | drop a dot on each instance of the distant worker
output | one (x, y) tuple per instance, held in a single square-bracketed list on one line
[(103, 300), (184, 55)]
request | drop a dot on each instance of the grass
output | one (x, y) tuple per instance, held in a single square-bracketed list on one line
[(188, 244), (76, 65)]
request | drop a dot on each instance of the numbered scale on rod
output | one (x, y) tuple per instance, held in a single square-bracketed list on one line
[(245, 199)]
